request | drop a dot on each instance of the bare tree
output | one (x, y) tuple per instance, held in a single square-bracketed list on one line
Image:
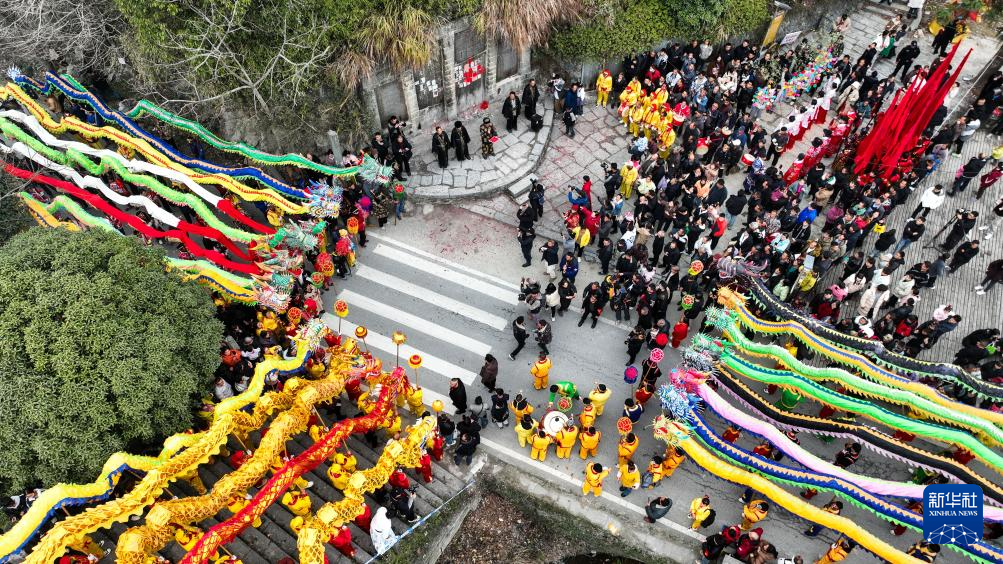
[(60, 34), (206, 62)]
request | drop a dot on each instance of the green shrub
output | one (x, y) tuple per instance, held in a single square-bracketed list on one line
[(101, 350), (643, 24)]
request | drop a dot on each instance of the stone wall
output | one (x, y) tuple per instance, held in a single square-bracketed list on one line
[(466, 69)]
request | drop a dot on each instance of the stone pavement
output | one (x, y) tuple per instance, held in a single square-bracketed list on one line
[(600, 137), (866, 26), (516, 155)]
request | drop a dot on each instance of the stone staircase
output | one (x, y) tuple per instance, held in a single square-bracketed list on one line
[(274, 540)]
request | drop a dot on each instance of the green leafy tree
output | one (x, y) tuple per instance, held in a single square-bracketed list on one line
[(614, 28), (101, 351), (14, 216)]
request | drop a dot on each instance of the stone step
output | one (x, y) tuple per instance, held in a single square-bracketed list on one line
[(256, 546), (275, 521), (273, 540)]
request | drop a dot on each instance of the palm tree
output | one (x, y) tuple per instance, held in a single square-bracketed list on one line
[(351, 68), (525, 24), (401, 35)]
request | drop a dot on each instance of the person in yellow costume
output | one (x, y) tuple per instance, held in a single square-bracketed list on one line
[(630, 478), (297, 524), (338, 476), (267, 321), (524, 430), (666, 139), (520, 407), (394, 427), (316, 432), (316, 369), (348, 462), (628, 98), (628, 175), (838, 551), (238, 502), (661, 96), (187, 537), (699, 510), (599, 396), (539, 444), (192, 477), (636, 119), (540, 371), (281, 461), (654, 473), (594, 476), (652, 121), (626, 448), (588, 416), (604, 84), (589, 439), (754, 512), (582, 236), (86, 545), (297, 501), (566, 439), (674, 456), (415, 401)]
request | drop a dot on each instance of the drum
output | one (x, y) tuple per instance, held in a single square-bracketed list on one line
[(554, 421)]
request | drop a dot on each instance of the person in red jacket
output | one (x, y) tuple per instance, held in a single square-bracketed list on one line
[(720, 226), (425, 467), (362, 521), (679, 332), (343, 542), (399, 480), (437, 445)]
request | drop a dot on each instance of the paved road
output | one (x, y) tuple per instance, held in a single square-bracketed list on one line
[(449, 280)]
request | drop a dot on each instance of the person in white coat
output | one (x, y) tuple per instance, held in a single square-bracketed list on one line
[(915, 8), (381, 530), (871, 301), (932, 198), (854, 283)]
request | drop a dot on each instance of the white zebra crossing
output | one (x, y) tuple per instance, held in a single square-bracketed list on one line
[(424, 294), (455, 266), (397, 316), (439, 270), (383, 343)]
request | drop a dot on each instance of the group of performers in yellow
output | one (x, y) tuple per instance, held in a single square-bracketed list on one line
[(644, 112)]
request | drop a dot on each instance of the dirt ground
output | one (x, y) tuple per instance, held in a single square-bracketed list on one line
[(497, 531)]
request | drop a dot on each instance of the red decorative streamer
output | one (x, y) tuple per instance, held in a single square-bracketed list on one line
[(179, 234)]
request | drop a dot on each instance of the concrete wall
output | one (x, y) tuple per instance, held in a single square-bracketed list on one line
[(465, 69)]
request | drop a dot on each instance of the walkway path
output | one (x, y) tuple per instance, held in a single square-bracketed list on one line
[(516, 155)]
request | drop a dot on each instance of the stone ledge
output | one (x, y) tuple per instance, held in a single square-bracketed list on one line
[(485, 178)]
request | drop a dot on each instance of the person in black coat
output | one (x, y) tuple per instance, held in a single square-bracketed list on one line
[(465, 450), (965, 253), (401, 148), (526, 237), (904, 59), (460, 141), (530, 97), (963, 224), (521, 335), (511, 109), (440, 146), (884, 241), (458, 393)]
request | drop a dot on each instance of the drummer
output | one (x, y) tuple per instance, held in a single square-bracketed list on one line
[(565, 389)]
